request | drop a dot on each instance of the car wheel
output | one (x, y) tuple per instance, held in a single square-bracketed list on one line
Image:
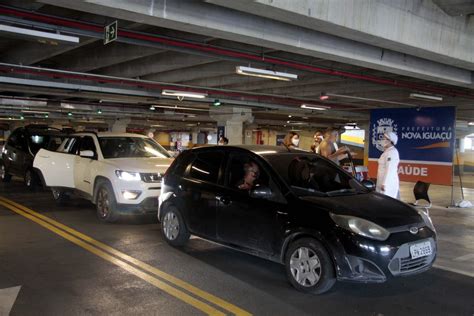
[(30, 179), (309, 267), (106, 205), (4, 176), (173, 227), (59, 196)]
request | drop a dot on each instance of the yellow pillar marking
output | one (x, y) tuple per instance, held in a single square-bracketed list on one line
[(44, 220)]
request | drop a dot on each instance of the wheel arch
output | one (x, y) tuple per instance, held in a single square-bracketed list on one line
[(97, 180), (297, 235)]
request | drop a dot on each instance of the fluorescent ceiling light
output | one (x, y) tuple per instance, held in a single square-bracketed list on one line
[(34, 112), (189, 94), (23, 32), (471, 123), (263, 73), (425, 97), (315, 107)]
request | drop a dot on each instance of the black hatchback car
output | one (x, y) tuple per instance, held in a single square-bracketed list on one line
[(21, 148), (295, 208)]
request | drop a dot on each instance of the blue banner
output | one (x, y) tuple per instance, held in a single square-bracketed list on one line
[(426, 139), (424, 134)]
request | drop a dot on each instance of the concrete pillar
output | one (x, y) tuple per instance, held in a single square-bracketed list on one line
[(233, 118), (120, 125)]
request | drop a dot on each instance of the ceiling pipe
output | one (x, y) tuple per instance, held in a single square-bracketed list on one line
[(56, 74), (205, 48)]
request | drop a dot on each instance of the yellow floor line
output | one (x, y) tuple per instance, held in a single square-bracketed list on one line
[(144, 276), (146, 267)]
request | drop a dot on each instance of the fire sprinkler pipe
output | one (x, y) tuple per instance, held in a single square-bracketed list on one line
[(205, 48)]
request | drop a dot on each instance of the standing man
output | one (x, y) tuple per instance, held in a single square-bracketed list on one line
[(387, 173), (328, 147)]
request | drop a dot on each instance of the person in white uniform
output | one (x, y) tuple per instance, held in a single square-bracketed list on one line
[(387, 173)]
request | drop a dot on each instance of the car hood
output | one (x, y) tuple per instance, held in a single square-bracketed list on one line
[(141, 164), (375, 207)]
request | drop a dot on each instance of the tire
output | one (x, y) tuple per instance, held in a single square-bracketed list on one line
[(4, 176), (30, 179), (105, 202), (309, 267), (173, 227), (59, 196)]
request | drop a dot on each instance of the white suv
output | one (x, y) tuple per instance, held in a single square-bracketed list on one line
[(119, 173)]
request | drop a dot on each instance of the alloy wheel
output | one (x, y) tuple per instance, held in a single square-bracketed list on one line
[(305, 266), (2, 172), (171, 226), (103, 203), (28, 178)]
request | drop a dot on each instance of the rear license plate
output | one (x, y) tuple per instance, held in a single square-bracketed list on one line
[(421, 250)]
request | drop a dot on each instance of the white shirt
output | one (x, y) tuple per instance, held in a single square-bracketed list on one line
[(387, 173)]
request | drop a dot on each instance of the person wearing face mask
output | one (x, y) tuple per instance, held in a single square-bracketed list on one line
[(291, 140), (387, 173)]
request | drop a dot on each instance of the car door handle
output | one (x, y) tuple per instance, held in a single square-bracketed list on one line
[(224, 200)]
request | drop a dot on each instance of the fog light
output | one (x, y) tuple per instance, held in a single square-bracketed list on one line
[(131, 195)]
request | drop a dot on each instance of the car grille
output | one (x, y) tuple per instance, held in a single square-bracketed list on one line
[(402, 263), (151, 177), (408, 264)]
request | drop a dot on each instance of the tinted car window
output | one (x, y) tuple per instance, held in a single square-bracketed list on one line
[(205, 166), (312, 173), (38, 141)]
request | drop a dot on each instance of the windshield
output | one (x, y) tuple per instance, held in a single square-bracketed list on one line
[(130, 147), (49, 142), (310, 174)]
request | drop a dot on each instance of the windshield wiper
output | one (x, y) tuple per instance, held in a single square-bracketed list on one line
[(341, 191), (307, 191)]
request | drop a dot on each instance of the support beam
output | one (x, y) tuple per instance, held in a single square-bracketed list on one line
[(196, 72), (101, 56), (155, 64), (244, 27)]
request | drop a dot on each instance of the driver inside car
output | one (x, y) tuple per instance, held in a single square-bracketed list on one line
[(251, 174)]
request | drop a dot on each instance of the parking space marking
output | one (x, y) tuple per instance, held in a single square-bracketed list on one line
[(454, 270), (465, 257), (112, 255)]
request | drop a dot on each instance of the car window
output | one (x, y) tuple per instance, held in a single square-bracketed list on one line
[(13, 139), (313, 173), (245, 173), (128, 147), (205, 166), (69, 145), (38, 141), (87, 143)]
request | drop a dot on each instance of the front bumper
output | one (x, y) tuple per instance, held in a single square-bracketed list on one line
[(359, 259), (148, 206)]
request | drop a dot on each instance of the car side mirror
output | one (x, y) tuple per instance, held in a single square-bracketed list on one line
[(261, 192), (369, 184), (87, 154)]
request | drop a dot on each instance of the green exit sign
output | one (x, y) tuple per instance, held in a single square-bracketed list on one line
[(110, 32)]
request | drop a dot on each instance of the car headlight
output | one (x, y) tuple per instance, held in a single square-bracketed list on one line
[(128, 176), (361, 226), (427, 219)]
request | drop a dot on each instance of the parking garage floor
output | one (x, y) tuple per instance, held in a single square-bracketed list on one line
[(66, 262)]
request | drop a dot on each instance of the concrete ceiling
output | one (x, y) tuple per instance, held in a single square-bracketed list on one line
[(148, 61)]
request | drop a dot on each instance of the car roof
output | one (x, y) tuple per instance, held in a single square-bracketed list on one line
[(261, 150), (110, 134)]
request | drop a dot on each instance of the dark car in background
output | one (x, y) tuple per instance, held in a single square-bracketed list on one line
[(303, 211), (20, 149)]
